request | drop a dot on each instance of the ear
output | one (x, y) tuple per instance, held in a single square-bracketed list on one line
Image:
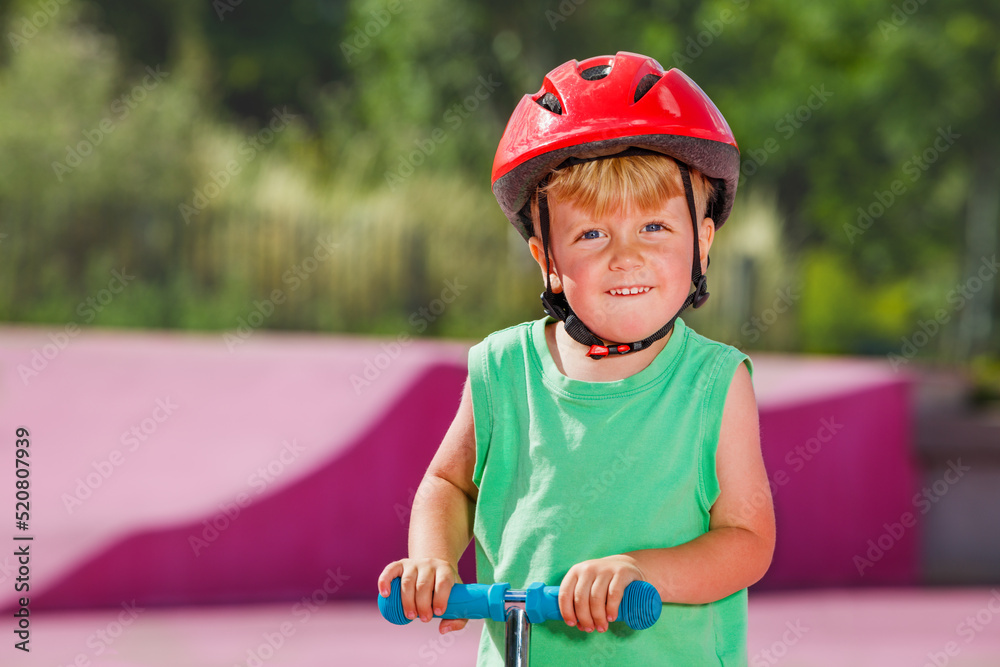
[(538, 252), (706, 234)]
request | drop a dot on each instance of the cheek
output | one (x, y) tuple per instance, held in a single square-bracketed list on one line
[(579, 274), (673, 261), (568, 264)]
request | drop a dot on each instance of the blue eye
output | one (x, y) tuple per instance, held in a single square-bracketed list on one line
[(653, 227), (592, 234)]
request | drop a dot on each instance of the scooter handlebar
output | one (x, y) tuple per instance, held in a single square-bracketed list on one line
[(640, 607)]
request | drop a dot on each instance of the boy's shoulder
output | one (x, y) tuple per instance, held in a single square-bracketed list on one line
[(516, 335), (514, 330), (714, 348), (701, 340)]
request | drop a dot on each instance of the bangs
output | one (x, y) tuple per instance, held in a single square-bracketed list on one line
[(635, 183)]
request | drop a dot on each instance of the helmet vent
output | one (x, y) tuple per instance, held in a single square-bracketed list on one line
[(550, 102), (595, 73), (645, 83)]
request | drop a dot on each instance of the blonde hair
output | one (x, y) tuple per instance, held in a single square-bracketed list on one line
[(635, 182)]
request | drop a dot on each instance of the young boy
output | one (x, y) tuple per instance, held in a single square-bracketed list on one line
[(578, 458)]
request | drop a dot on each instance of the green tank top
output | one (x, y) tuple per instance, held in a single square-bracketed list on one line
[(570, 470)]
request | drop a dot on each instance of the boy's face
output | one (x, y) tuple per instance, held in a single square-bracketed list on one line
[(600, 262)]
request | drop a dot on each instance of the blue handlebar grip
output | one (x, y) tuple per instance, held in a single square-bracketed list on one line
[(391, 607), (541, 603), (465, 601), (641, 605)]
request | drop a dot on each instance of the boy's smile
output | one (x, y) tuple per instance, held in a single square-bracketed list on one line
[(627, 273), (629, 291)]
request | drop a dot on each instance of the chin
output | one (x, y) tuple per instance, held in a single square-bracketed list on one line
[(626, 321), (626, 327), (622, 332), (629, 335)]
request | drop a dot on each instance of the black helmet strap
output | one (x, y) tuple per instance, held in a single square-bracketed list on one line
[(557, 306)]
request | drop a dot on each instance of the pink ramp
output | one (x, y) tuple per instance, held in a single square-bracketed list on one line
[(837, 445), (320, 467), (313, 538)]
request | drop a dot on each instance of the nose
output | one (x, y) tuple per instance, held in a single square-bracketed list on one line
[(626, 255)]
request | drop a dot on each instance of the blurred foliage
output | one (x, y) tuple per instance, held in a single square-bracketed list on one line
[(389, 112), (985, 389)]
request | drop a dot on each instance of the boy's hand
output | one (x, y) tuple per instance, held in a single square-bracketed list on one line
[(590, 593), (425, 584)]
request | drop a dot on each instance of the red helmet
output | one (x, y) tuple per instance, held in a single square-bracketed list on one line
[(602, 106)]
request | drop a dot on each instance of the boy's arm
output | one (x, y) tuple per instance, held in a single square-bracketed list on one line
[(440, 523), (734, 553)]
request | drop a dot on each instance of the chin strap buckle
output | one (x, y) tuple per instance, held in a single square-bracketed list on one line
[(597, 352), (601, 351), (700, 292)]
